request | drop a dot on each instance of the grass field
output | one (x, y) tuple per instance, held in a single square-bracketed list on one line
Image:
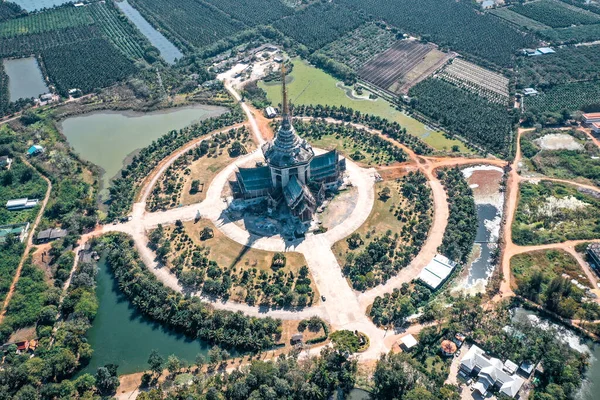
[(310, 85)]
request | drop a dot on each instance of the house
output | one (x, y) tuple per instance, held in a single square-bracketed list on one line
[(593, 252), (296, 338), (35, 149), (278, 59), (530, 92), (270, 112), (21, 204), (546, 50), (491, 373), (487, 4), (5, 162), (526, 369), (19, 230), (437, 271), (592, 120), (46, 97), (407, 342), (531, 52), (49, 235)]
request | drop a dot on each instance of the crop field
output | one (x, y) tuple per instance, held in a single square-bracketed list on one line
[(570, 96), (356, 48), (572, 34), (474, 118), (192, 22), (9, 10), (319, 24), (252, 12), (521, 21), (491, 85), (52, 20), (556, 14), (86, 65), (453, 24), (403, 65), (56, 27)]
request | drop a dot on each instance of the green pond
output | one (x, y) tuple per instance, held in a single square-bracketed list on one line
[(120, 335), (109, 139)]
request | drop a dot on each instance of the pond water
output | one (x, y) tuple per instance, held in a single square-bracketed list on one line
[(33, 5), (109, 138), (120, 335), (591, 385), (25, 78), (358, 394), (168, 51)]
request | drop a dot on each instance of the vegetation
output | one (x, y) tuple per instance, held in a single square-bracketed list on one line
[(393, 234), (393, 308), (568, 64), (462, 222), (572, 34), (555, 14), (484, 123), (545, 277), (217, 267), (252, 12), (355, 48), (87, 66), (51, 20), (285, 378), (9, 10), (520, 21), (12, 251), (319, 24), (19, 182), (345, 340), (192, 24), (186, 315), (452, 24), (391, 129), (361, 146), (552, 212), (124, 189), (570, 97)]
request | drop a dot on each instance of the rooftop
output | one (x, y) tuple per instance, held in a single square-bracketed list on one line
[(258, 178), (437, 271), (409, 341)]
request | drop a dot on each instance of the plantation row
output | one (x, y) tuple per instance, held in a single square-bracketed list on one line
[(55, 19), (86, 65), (573, 34), (472, 117), (453, 24), (556, 14), (319, 24), (252, 12), (32, 44), (117, 30), (9, 10), (359, 46), (571, 97), (567, 65), (520, 21), (191, 24), (488, 84)]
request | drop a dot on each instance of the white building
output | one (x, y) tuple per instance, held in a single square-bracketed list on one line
[(491, 373), (437, 271), (530, 92), (408, 342), (270, 112), (21, 204), (592, 120)]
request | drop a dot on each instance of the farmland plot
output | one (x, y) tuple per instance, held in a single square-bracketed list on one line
[(357, 47), (491, 85), (571, 97), (556, 14), (521, 21), (403, 65)]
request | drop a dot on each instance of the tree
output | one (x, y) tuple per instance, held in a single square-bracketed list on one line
[(173, 364), (278, 261), (385, 194), (345, 340), (195, 186), (107, 380), (207, 233), (156, 361)]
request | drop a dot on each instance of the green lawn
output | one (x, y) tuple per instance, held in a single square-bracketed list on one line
[(310, 85)]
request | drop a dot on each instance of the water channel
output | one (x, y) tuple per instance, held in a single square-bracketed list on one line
[(25, 79), (168, 51), (109, 139), (34, 5), (120, 335), (591, 385)]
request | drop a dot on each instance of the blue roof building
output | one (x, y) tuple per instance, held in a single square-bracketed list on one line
[(35, 149)]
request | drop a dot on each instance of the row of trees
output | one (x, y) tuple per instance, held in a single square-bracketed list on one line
[(388, 128), (187, 315), (462, 222), (124, 188)]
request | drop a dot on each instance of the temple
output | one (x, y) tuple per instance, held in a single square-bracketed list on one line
[(293, 176)]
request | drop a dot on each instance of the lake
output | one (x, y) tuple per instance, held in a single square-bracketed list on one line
[(25, 78), (168, 51), (108, 138), (33, 5), (120, 335)]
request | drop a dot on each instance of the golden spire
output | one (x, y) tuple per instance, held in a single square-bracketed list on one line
[(285, 104)]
